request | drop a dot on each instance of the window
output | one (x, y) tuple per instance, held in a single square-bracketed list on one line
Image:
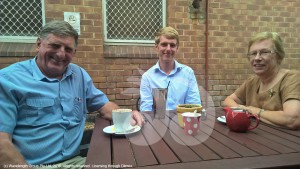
[(21, 20), (132, 21)]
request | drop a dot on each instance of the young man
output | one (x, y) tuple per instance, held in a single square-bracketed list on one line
[(183, 88), (44, 102)]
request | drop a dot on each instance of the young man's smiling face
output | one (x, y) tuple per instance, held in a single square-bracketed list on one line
[(166, 49)]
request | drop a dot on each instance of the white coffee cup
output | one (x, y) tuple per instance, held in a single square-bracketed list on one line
[(121, 119)]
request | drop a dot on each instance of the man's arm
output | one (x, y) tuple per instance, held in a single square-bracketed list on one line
[(193, 95), (9, 155), (106, 110), (146, 95)]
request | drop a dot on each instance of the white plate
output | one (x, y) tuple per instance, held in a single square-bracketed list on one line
[(222, 119), (111, 130)]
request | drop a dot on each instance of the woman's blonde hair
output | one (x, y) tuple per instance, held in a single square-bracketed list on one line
[(276, 39)]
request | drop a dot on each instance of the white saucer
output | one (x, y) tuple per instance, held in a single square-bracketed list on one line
[(111, 130), (222, 119)]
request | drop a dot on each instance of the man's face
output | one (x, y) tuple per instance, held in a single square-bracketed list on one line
[(54, 54), (166, 49)]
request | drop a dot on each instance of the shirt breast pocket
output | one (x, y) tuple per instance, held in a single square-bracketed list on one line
[(78, 109), (39, 111)]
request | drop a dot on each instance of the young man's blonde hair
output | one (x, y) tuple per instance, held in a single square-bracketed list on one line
[(168, 32)]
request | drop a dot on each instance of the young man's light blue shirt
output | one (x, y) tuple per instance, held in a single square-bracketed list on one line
[(183, 87), (46, 116)]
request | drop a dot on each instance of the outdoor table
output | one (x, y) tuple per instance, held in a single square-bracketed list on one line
[(161, 143)]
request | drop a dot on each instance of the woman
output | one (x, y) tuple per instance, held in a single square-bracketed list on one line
[(274, 93)]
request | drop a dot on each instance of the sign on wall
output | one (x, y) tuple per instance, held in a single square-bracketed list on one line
[(74, 19)]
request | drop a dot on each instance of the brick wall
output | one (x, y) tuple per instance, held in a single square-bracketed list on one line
[(116, 70), (232, 23)]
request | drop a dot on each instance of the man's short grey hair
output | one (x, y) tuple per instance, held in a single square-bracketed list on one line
[(59, 28)]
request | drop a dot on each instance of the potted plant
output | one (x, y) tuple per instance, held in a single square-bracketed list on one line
[(181, 108)]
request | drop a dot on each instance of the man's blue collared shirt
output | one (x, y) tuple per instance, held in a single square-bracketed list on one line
[(183, 87), (46, 116)]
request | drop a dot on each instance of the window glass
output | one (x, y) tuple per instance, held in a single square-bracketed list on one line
[(132, 20), (21, 20)]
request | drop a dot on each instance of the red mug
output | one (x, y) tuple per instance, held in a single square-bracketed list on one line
[(191, 123), (239, 120)]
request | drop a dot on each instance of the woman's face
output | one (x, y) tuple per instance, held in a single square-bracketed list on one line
[(54, 54), (263, 58)]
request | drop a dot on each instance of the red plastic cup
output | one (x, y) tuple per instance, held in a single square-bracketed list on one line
[(191, 123)]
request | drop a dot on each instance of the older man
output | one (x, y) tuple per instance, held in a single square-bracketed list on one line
[(44, 102)]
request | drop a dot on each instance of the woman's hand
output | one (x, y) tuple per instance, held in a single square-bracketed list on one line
[(252, 110)]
